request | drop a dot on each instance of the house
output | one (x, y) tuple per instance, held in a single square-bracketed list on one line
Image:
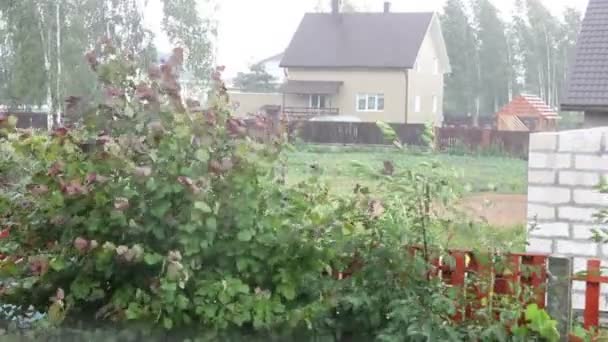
[(587, 84), (272, 65), (527, 113), (375, 66)]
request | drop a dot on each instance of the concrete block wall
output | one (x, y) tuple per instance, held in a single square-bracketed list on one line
[(564, 171)]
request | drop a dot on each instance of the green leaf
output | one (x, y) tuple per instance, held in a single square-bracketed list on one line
[(152, 258), (288, 291), (241, 264), (133, 311), (57, 264), (56, 313), (202, 206), (160, 209), (212, 223), (202, 155), (245, 236), (182, 302), (168, 323)]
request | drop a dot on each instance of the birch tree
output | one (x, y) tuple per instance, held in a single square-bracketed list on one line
[(43, 42)]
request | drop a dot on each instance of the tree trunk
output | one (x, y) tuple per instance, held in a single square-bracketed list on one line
[(58, 95), (46, 48)]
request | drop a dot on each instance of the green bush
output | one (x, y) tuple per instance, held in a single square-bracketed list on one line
[(148, 216)]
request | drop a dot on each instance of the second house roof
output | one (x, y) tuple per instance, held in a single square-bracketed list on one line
[(366, 40)]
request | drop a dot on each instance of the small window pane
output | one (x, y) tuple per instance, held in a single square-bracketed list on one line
[(361, 102), (371, 102), (322, 101), (380, 102)]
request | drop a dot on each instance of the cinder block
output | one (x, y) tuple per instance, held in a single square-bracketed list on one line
[(590, 197), (579, 265), (557, 229), (579, 178), (581, 141), (541, 212), (543, 142), (542, 177), (591, 162), (567, 247), (583, 231), (580, 286), (549, 195), (536, 245), (551, 161), (576, 214), (605, 254)]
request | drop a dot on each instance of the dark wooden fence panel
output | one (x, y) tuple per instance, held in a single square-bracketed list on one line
[(30, 119), (477, 139), (355, 133)]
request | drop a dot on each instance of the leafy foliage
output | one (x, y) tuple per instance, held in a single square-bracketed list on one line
[(149, 215), (257, 80)]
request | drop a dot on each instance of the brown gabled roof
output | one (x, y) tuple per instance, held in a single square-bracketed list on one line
[(587, 87), (528, 105), (366, 40)]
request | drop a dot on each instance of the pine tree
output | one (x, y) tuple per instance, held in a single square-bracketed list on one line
[(461, 84), (494, 67)]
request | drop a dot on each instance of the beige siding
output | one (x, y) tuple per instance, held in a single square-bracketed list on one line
[(250, 103), (425, 83), (391, 83)]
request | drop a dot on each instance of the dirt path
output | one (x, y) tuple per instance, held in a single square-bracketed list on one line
[(497, 209)]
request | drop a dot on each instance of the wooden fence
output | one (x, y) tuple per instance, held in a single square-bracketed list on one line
[(478, 140), (512, 275), (355, 133), (30, 119)]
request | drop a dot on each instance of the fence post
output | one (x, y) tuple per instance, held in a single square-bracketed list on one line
[(457, 278), (592, 295)]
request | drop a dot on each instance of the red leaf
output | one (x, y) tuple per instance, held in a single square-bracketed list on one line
[(5, 234), (56, 169), (60, 132)]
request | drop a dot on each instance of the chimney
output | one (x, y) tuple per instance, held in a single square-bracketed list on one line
[(335, 6), (387, 7)]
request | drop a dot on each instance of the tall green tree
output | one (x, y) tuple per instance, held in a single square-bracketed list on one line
[(257, 80), (43, 43), (543, 46), (461, 84), (186, 28), (494, 67)]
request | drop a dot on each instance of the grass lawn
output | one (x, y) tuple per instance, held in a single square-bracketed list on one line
[(480, 173)]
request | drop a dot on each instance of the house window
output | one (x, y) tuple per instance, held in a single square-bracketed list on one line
[(435, 104), (417, 104), (370, 102), (318, 101), (436, 66)]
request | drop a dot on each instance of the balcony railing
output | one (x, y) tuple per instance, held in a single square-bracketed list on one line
[(307, 113)]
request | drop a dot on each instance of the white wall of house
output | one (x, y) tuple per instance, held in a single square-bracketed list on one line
[(425, 86), (390, 83), (565, 169), (243, 104)]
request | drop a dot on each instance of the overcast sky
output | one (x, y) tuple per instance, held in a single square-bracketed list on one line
[(251, 30)]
